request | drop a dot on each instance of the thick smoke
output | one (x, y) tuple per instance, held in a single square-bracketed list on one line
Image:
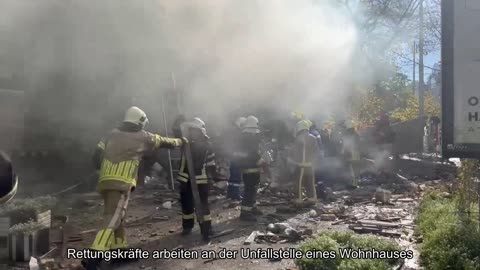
[(224, 54)]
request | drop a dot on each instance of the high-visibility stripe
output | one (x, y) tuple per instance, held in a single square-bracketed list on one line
[(124, 171), (234, 185), (189, 216), (305, 165), (252, 170), (103, 240), (184, 176), (247, 208), (207, 218), (101, 145)]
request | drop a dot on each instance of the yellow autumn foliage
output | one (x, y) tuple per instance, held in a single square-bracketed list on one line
[(367, 109), (411, 110)]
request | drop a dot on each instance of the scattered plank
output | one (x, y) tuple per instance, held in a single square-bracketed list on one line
[(378, 223), (222, 233), (388, 219), (251, 238), (161, 218), (88, 231), (405, 200)]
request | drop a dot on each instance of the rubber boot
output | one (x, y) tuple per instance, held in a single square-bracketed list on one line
[(126, 260), (206, 230), (186, 231), (91, 264), (256, 211), (248, 216)]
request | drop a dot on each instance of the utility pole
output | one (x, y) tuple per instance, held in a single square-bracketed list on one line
[(414, 83), (421, 85)]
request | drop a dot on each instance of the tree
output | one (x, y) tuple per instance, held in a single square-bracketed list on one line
[(411, 110)]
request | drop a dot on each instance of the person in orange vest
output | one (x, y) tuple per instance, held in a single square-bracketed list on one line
[(117, 157)]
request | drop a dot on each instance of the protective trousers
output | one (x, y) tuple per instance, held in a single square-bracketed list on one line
[(353, 169), (188, 207), (251, 180), (305, 178), (112, 235), (234, 182)]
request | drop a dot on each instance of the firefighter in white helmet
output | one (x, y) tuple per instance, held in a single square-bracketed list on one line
[(351, 151), (117, 157), (231, 145), (250, 161), (203, 159), (301, 156)]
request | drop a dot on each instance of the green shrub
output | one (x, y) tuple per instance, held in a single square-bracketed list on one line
[(335, 240), (450, 241)]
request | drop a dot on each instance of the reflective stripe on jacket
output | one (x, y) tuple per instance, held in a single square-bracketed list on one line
[(121, 155), (202, 157)]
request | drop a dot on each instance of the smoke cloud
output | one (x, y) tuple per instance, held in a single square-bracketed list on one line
[(86, 57)]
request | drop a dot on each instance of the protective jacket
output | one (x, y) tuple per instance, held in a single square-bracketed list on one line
[(119, 154), (203, 159), (302, 152), (249, 156), (351, 145)]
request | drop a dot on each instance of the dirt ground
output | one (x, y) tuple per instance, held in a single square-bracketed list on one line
[(153, 227)]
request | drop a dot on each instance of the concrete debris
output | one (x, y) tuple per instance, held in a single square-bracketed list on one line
[(307, 232), (251, 238), (328, 217), (313, 213), (167, 205), (383, 195), (33, 264), (292, 235)]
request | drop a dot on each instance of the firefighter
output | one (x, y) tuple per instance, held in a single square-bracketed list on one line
[(312, 128), (203, 161), (384, 139), (351, 152), (250, 160), (8, 179), (302, 155), (117, 157), (235, 179)]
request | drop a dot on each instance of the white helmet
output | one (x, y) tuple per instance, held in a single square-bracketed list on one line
[(197, 122), (240, 122), (251, 125), (136, 116), (302, 125), (349, 124)]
